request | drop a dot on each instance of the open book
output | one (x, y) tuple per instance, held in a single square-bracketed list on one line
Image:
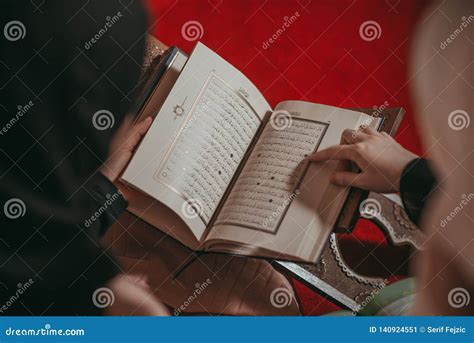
[(220, 170)]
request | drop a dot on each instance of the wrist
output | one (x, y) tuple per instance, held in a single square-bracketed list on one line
[(407, 165), (406, 159), (122, 189), (109, 174), (114, 179)]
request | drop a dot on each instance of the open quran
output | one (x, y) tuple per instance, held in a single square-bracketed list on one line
[(220, 170)]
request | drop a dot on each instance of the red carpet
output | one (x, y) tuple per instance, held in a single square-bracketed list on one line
[(320, 57)]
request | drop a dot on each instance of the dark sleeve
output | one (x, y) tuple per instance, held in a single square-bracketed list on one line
[(416, 183), (110, 204), (59, 267), (52, 212)]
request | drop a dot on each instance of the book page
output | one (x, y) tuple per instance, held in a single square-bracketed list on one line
[(280, 204), (209, 148), (271, 176), (198, 139)]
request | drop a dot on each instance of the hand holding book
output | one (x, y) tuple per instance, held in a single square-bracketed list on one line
[(122, 148)]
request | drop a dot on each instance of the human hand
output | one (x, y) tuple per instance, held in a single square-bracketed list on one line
[(130, 298), (379, 157), (122, 148)]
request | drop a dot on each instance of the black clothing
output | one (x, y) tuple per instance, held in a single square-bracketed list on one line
[(68, 71), (416, 184)]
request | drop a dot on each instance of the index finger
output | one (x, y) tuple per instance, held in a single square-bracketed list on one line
[(336, 152), (369, 130)]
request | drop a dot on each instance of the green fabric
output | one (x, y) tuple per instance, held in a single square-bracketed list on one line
[(396, 298), (342, 313)]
